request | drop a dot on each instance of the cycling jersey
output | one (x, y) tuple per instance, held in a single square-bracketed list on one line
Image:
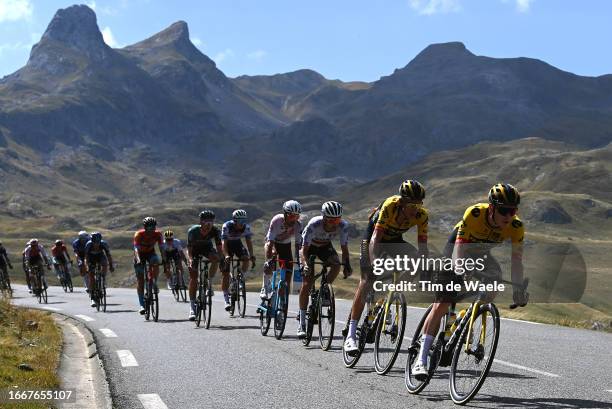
[(102, 248), (386, 219), (59, 253), (475, 227), (78, 246), (31, 252), (144, 241), (3, 256), (280, 232), (230, 231), (173, 248), (315, 235), (197, 240)]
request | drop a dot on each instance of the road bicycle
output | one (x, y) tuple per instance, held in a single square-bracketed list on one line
[(277, 305), (5, 282), (179, 289), (237, 288), (40, 283), (468, 345), (204, 296), (98, 290), (151, 292), (65, 277)]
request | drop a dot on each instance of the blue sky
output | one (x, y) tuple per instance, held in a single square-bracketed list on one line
[(349, 40)]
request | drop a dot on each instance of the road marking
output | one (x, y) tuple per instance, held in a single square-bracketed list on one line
[(522, 321), (609, 390), (524, 368), (126, 357), (109, 333), (84, 317), (151, 401), (51, 308)]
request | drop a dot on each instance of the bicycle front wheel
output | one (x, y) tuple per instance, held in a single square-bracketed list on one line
[(233, 285), (155, 302), (327, 316), (280, 318), (183, 288), (103, 294), (311, 317), (147, 301), (265, 317), (69, 280), (389, 333), (241, 298), (208, 306), (470, 367), (200, 303)]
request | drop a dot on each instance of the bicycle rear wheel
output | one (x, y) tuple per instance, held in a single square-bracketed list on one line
[(208, 307), (327, 316), (413, 385), (389, 333), (469, 369), (241, 297), (282, 304), (265, 317)]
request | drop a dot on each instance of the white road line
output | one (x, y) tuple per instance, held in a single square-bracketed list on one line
[(608, 390), (109, 333), (524, 368), (51, 308), (84, 317), (151, 401), (523, 321), (126, 358)]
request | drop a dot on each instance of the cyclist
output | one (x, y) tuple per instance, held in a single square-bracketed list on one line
[(484, 225), (232, 233), (200, 244), (172, 250), (144, 251), (60, 256), (4, 261), (78, 245), (97, 251), (386, 226), (282, 228), (34, 255), (317, 240)]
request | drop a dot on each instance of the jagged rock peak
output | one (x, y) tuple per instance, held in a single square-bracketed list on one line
[(76, 27)]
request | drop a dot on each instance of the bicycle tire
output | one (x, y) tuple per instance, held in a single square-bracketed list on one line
[(175, 285), (45, 295), (265, 317), (70, 285), (103, 293), (311, 317), (63, 281), (98, 292), (199, 304), (147, 301), (327, 318), (155, 303), (208, 307), (233, 296), (242, 297), (280, 316), (457, 397), (183, 288), (351, 360), (397, 301), (413, 385)]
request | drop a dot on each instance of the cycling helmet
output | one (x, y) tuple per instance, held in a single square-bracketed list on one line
[(239, 214), (59, 242), (168, 234), (413, 190), (96, 237), (33, 242), (83, 235), (207, 215), (331, 209), (292, 206), (504, 194), (149, 222)]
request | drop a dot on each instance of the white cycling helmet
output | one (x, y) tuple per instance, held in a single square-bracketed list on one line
[(292, 206), (83, 235), (239, 214), (331, 209)]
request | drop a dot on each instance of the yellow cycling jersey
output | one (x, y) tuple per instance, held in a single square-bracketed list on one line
[(475, 228), (389, 218)]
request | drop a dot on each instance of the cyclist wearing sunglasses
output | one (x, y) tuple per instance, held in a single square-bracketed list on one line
[(317, 240), (172, 250), (484, 225), (283, 227), (387, 224)]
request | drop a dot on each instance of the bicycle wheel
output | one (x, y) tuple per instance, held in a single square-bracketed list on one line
[(469, 369), (265, 317), (155, 302), (183, 288), (327, 316), (282, 304), (311, 318), (200, 303), (413, 385), (351, 360), (44, 295), (63, 281), (103, 293), (98, 292), (147, 301), (389, 333), (175, 286), (233, 296), (208, 307), (241, 297), (69, 279)]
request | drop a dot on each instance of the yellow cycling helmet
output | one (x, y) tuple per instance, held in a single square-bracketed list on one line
[(168, 234)]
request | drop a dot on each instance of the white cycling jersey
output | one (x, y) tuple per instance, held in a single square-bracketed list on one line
[(315, 235), (280, 232)]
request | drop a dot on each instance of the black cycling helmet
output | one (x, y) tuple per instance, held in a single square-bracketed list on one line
[(413, 190), (207, 215), (504, 194), (96, 237)]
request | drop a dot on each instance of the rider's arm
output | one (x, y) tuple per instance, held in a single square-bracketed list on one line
[(268, 250), (137, 247), (249, 244), (374, 241), (303, 253), (224, 248)]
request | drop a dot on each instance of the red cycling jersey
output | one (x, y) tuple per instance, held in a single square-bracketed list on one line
[(144, 241)]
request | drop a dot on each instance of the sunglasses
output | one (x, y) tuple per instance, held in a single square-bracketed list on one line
[(206, 222), (507, 211), (408, 204), (332, 220)]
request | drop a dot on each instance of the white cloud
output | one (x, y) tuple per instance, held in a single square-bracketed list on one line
[(197, 42), (257, 55), (13, 10), (523, 5), (223, 55), (109, 38), (429, 7), (91, 5)]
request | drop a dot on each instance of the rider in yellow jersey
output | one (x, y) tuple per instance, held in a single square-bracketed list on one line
[(396, 215), (483, 226)]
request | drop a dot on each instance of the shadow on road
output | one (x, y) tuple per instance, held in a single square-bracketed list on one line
[(119, 311), (538, 403), (232, 327)]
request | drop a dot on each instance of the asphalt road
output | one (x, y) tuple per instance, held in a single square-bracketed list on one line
[(173, 364)]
